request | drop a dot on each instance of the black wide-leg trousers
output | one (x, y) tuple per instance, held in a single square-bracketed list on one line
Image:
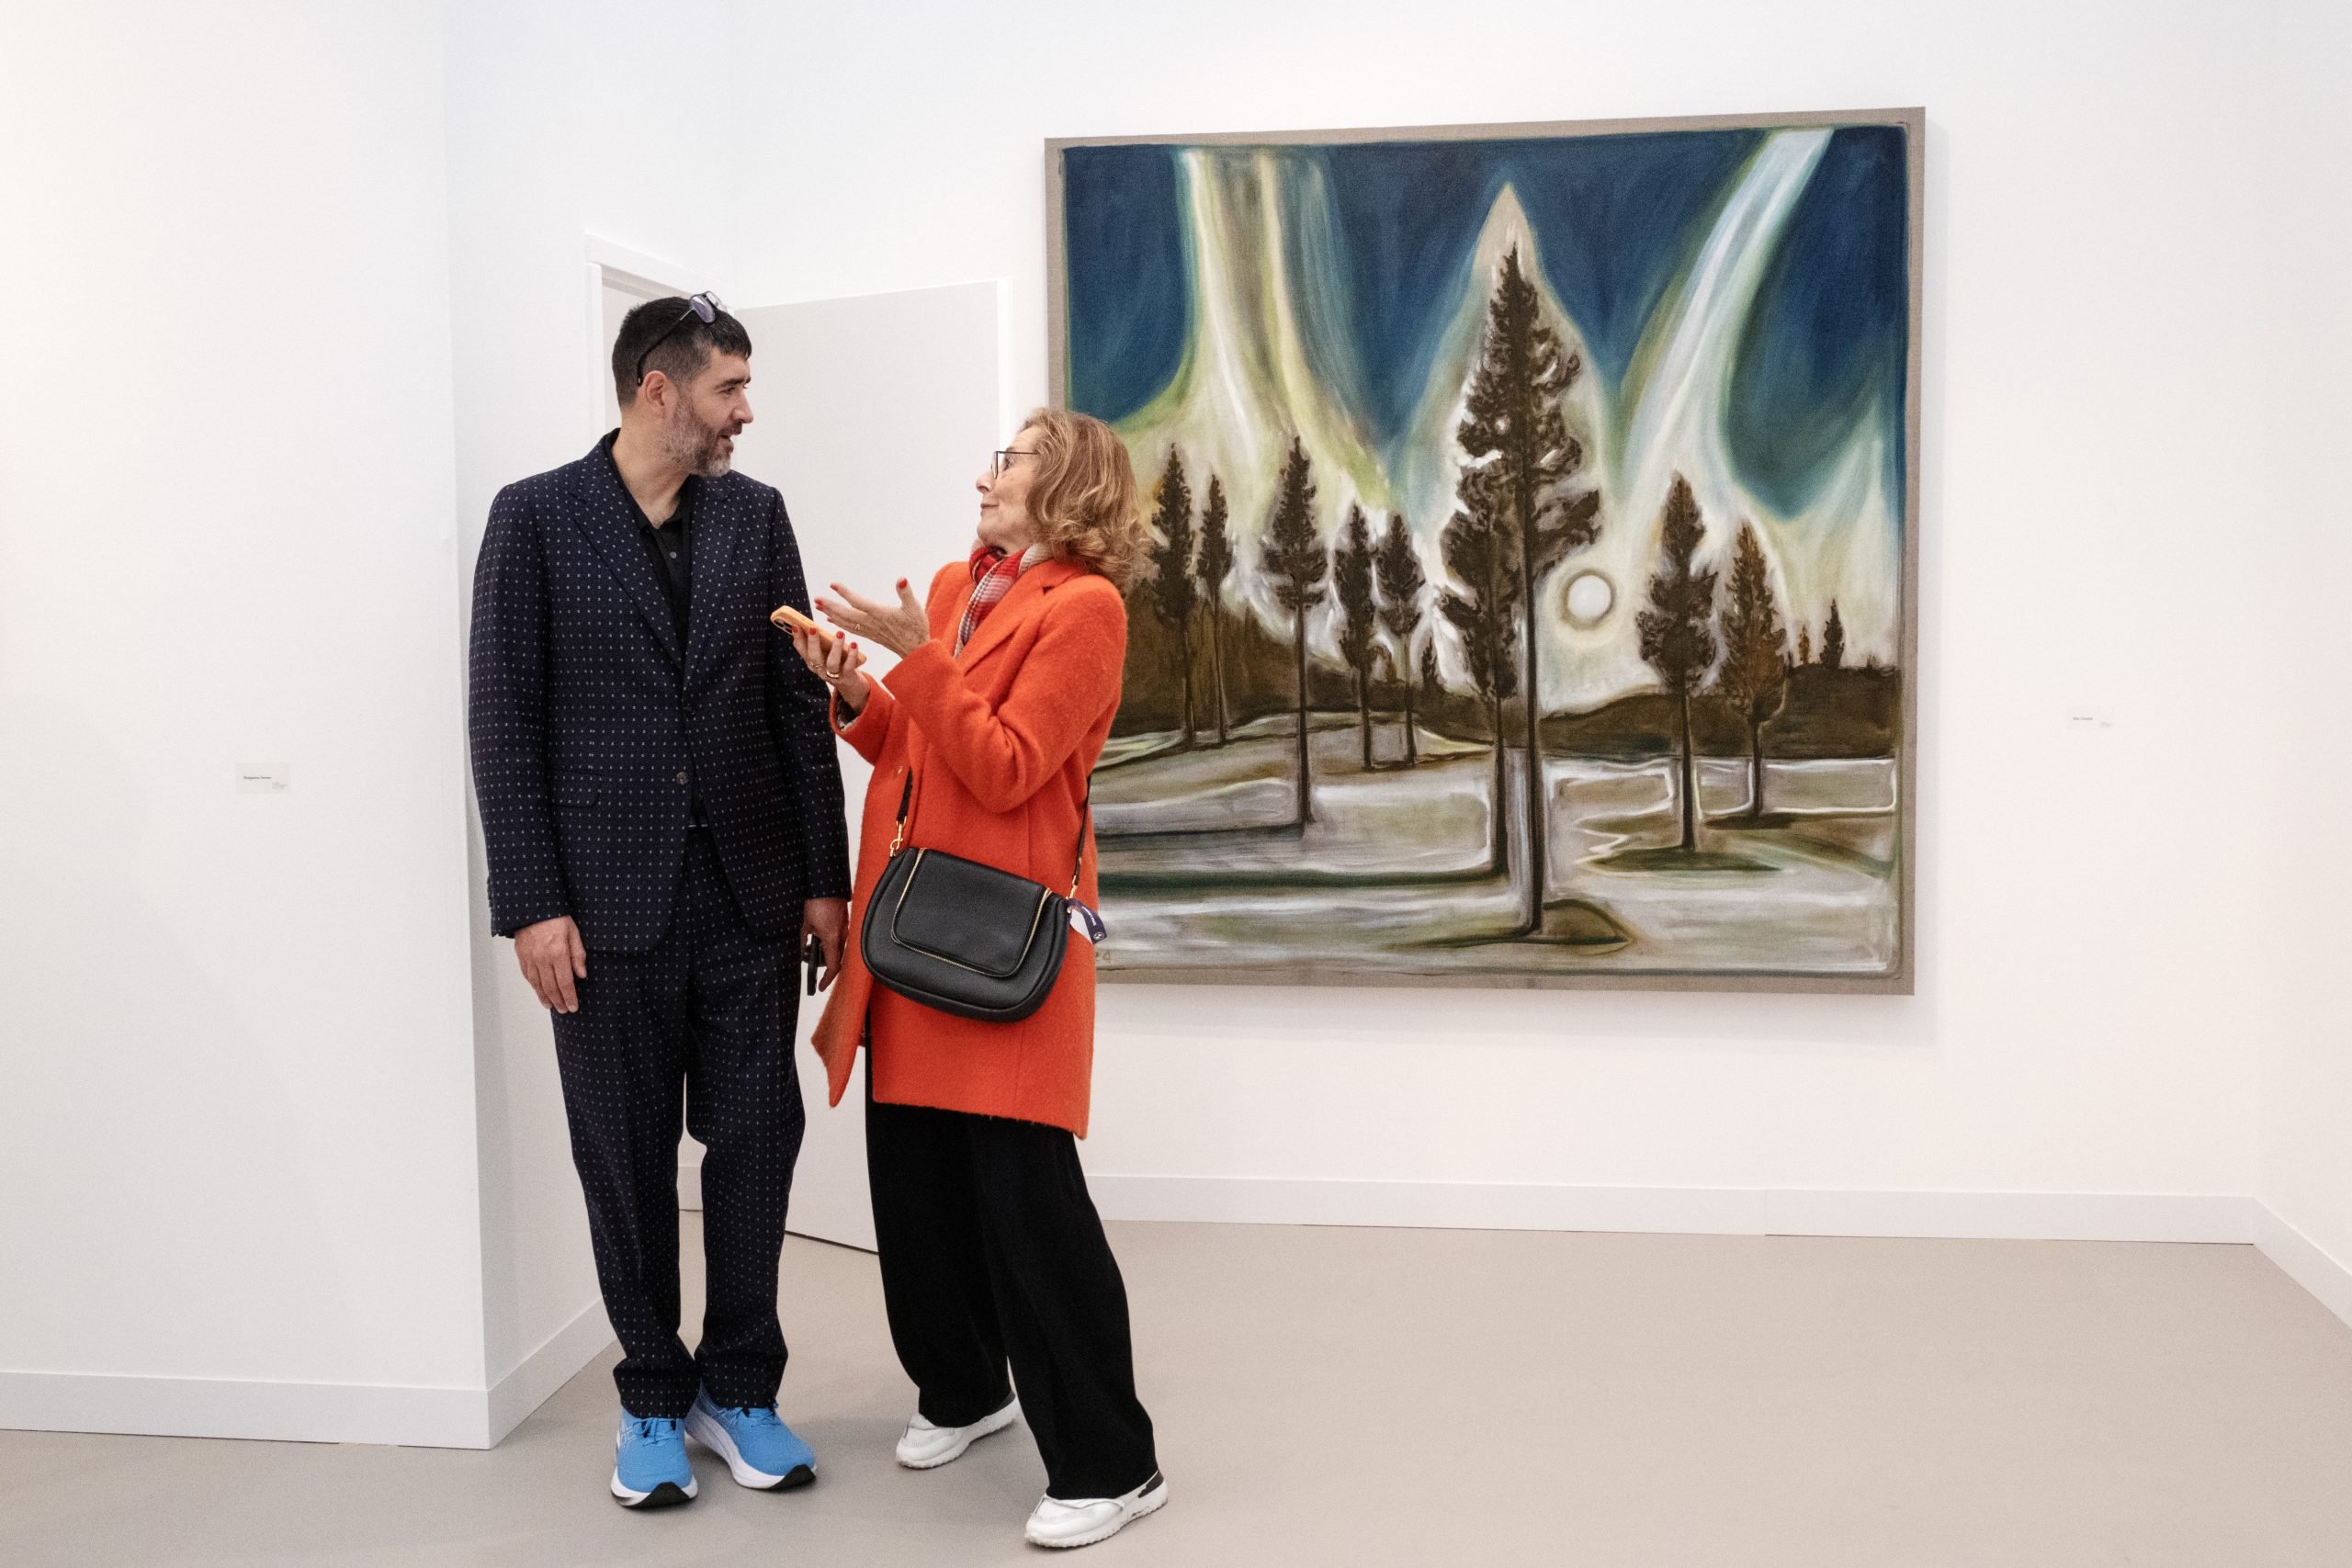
[(992, 1253), (698, 1030)]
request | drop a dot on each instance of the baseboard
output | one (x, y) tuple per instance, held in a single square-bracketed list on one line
[(537, 1377), (236, 1407), (2017, 1216), (2307, 1263), (1723, 1211), (1695, 1211), (1718, 1211), (397, 1415)]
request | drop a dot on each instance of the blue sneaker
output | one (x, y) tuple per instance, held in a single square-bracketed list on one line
[(760, 1451), (650, 1467)]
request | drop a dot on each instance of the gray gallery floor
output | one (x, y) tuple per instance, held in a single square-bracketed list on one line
[(1373, 1397)]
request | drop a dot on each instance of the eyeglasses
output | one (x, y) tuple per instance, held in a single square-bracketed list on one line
[(998, 463), (705, 306)]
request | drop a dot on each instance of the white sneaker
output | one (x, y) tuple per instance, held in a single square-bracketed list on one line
[(1057, 1523), (926, 1447)]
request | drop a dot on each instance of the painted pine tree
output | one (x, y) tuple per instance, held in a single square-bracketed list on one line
[(1402, 585), (1481, 557), (1512, 422), (1678, 638), (1294, 561), (1755, 673), (1358, 616), (1216, 566), (1174, 592), (1833, 640)]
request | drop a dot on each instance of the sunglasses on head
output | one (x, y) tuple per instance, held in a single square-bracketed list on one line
[(705, 307)]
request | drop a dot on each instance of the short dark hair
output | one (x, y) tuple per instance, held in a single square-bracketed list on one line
[(678, 349)]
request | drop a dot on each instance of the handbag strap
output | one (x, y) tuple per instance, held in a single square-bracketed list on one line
[(1085, 821)]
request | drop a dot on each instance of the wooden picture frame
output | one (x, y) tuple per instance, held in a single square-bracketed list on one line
[(1245, 965)]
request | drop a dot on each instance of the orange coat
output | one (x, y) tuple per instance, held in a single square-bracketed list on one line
[(1002, 740)]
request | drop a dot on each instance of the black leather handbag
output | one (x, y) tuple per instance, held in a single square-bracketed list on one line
[(966, 938)]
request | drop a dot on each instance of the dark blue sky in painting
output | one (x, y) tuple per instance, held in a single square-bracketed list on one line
[(1615, 218), (1409, 217), (1128, 275), (1825, 339)]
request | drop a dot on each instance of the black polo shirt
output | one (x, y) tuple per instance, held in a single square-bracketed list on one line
[(669, 546)]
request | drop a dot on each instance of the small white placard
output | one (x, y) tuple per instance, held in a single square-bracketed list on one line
[(264, 778)]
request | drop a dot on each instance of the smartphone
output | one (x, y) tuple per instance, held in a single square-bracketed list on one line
[(785, 618), (790, 619), (812, 961)]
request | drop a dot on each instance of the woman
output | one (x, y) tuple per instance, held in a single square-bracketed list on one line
[(988, 731)]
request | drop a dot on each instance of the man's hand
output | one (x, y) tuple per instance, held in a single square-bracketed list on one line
[(551, 956), (827, 919)]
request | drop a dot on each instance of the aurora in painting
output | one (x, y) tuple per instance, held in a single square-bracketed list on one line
[(1530, 599)]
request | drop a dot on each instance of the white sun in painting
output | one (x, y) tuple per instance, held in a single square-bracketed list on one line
[(1590, 598)]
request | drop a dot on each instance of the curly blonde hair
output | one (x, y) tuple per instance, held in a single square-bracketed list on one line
[(1083, 500)]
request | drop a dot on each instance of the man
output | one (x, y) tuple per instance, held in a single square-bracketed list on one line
[(663, 815)]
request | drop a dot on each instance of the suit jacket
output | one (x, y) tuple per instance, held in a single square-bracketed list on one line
[(1000, 740), (593, 729)]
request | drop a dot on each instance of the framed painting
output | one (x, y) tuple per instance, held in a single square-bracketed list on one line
[(1532, 589)]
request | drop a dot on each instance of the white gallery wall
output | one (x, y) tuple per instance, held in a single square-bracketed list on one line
[(2305, 510), (237, 1172), (565, 120), (2113, 936)]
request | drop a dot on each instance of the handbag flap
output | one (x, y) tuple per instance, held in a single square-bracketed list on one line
[(972, 916)]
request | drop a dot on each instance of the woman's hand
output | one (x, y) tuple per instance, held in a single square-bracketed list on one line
[(902, 628), (835, 660)]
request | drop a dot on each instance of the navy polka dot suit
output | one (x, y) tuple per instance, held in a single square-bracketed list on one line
[(593, 731)]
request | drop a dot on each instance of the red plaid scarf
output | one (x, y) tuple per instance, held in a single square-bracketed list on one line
[(994, 573)]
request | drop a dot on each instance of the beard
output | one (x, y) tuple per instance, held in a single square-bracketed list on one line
[(696, 447)]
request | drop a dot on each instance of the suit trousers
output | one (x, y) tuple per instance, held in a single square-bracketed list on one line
[(991, 1252), (699, 1030)]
